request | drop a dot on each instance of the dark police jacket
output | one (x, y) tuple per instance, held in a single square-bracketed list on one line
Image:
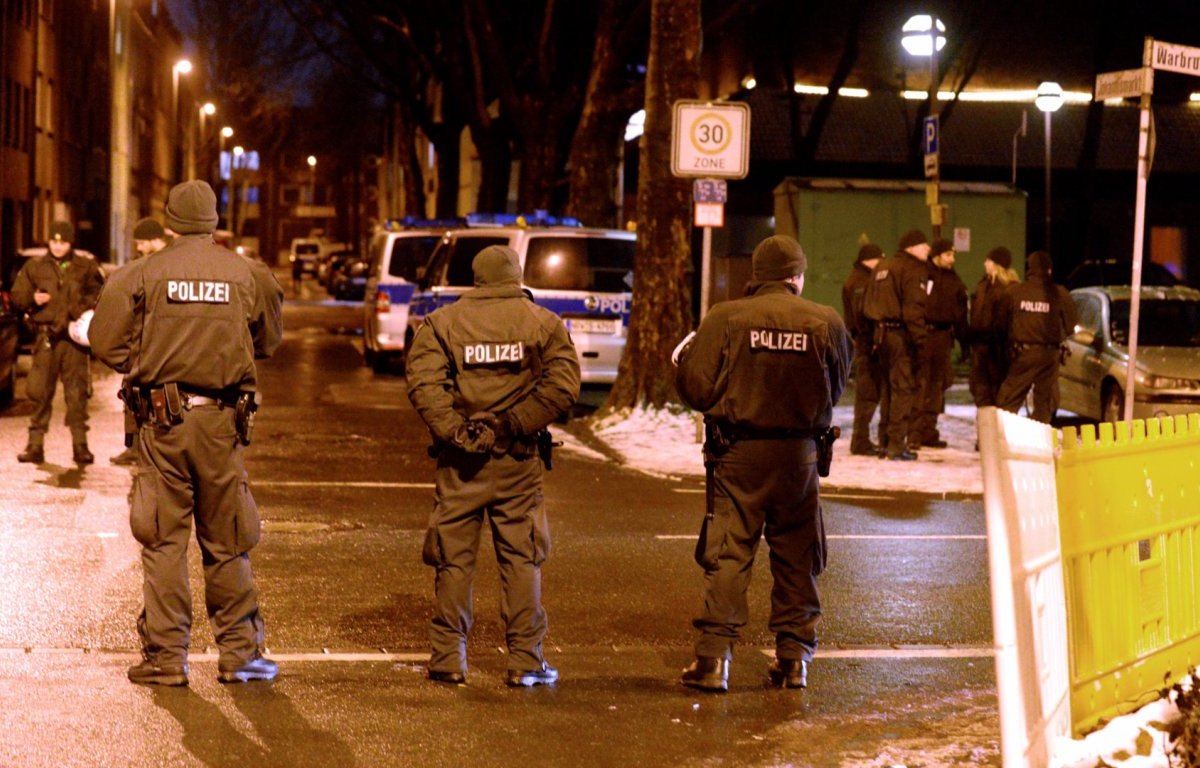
[(492, 350), (769, 361), (73, 283), (854, 292), (194, 313), (946, 306), (986, 325), (1038, 312), (897, 293)]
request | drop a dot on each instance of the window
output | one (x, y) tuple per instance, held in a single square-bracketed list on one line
[(462, 253), (1161, 323), (597, 264), (409, 254)]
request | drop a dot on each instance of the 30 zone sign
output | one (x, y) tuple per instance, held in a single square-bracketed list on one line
[(710, 139)]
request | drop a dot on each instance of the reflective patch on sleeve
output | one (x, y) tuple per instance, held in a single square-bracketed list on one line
[(197, 292), (773, 340), (493, 353), (881, 274)]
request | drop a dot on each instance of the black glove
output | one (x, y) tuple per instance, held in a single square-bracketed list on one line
[(502, 425), (474, 436)]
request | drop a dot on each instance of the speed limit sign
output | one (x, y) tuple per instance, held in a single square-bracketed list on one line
[(711, 139)]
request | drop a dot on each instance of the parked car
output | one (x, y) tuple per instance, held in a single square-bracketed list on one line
[(350, 282), (396, 258), (1092, 376), (10, 325), (1117, 272), (303, 255), (584, 275), (333, 265)]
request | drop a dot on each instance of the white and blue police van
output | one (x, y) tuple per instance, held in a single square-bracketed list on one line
[(397, 254), (583, 275)]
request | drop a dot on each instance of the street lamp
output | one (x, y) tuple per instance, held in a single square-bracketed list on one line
[(923, 35), (238, 153), (203, 156), (181, 67), (1049, 98), (225, 133), (312, 179)]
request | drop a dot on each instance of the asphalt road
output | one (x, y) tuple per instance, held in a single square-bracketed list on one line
[(338, 466)]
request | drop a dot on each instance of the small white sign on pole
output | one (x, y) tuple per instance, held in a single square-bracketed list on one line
[(710, 215)]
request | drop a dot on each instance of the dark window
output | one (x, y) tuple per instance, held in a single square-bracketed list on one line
[(1089, 313), (409, 254), (461, 253), (1161, 323), (597, 264)]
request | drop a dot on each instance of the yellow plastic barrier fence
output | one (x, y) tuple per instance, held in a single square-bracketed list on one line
[(1129, 517)]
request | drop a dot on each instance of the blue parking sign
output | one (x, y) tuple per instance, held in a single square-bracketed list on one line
[(929, 136)]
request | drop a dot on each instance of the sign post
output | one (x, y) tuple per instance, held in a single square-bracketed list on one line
[(710, 140), (930, 134)]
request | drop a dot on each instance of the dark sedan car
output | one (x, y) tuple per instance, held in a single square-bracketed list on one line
[(350, 282)]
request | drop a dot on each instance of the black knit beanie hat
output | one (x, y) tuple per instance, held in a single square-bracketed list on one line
[(940, 246), (192, 208), (868, 252), (778, 258), (148, 229), (497, 265), (63, 231), (912, 237), (1038, 264), (1000, 256)]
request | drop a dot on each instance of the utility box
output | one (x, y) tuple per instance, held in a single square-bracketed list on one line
[(832, 218)]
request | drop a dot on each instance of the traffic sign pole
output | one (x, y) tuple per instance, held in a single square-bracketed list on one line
[(1139, 226)]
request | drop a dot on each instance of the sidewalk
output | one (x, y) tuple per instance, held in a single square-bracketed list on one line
[(668, 444)]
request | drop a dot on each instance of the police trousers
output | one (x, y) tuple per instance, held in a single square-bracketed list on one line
[(867, 394), (989, 365), (195, 471), (1035, 367), (936, 376), (508, 492), (898, 358), (771, 486), (54, 359)]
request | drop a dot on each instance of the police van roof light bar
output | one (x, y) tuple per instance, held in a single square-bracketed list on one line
[(412, 222), (539, 218)]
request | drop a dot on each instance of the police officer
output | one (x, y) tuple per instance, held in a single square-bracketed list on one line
[(148, 237), (867, 373), (185, 326), (1040, 316), (57, 289), (895, 300), (946, 320), (487, 374), (766, 370), (987, 333)]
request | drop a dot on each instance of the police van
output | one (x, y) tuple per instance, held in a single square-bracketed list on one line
[(396, 255), (584, 275)]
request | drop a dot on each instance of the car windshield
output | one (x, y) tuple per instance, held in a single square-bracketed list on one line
[(598, 264), (409, 254), (306, 248), (1161, 323)]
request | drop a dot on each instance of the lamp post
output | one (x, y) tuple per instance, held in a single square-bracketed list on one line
[(203, 153), (181, 67), (238, 153), (924, 35), (226, 132), (1049, 98), (312, 179)]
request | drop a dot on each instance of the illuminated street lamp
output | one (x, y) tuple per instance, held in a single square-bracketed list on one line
[(312, 179), (238, 154), (225, 133), (1049, 98), (923, 35)]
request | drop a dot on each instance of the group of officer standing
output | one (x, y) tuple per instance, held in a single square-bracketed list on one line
[(905, 313)]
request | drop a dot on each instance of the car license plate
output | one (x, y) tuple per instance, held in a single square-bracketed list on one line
[(587, 325)]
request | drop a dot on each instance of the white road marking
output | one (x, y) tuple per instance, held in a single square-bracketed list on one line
[(334, 484), (898, 537), (903, 652)]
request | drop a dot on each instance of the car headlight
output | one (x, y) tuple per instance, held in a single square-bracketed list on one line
[(1168, 382)]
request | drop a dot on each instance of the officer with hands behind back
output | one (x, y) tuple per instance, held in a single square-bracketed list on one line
[(56, 289), (766, 370), (487, 374), (185, 326)]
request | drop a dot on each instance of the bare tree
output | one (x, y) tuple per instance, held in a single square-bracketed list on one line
[(661, 312)]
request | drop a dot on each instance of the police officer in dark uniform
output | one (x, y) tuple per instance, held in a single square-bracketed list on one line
[(1040, 316), (946, 320), (487, 374), (987, 334), (895, 300), (185, 326), (57, 289), (867, 373), (766, 370)]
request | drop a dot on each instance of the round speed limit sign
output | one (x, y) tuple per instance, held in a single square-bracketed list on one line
[(710, 139)]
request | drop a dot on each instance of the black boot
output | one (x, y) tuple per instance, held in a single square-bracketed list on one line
[(707, 674), (33, 454), (82, 454), (788, 673)]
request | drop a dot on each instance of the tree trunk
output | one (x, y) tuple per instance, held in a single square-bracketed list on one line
[(541, 160), (495, 158), (661, 312)]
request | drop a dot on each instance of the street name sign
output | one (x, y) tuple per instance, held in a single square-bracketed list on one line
[(1176, 58), (1121, 85), (711, 139)]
